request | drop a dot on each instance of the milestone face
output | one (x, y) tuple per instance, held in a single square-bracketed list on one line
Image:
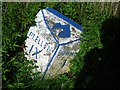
[(53, 42)]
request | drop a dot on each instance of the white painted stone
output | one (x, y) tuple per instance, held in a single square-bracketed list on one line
[(51, 50)]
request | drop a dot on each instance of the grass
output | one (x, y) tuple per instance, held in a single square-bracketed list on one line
[(16, 21)]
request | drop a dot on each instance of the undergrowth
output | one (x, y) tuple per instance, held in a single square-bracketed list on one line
[(16, 21)]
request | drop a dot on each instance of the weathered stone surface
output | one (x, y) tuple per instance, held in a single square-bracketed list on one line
[(53, 42)]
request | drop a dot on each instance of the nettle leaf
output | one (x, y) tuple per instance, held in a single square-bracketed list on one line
[(4, 78), (11, 86)]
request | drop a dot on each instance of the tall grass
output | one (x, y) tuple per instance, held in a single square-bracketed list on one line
[(16, 20)]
